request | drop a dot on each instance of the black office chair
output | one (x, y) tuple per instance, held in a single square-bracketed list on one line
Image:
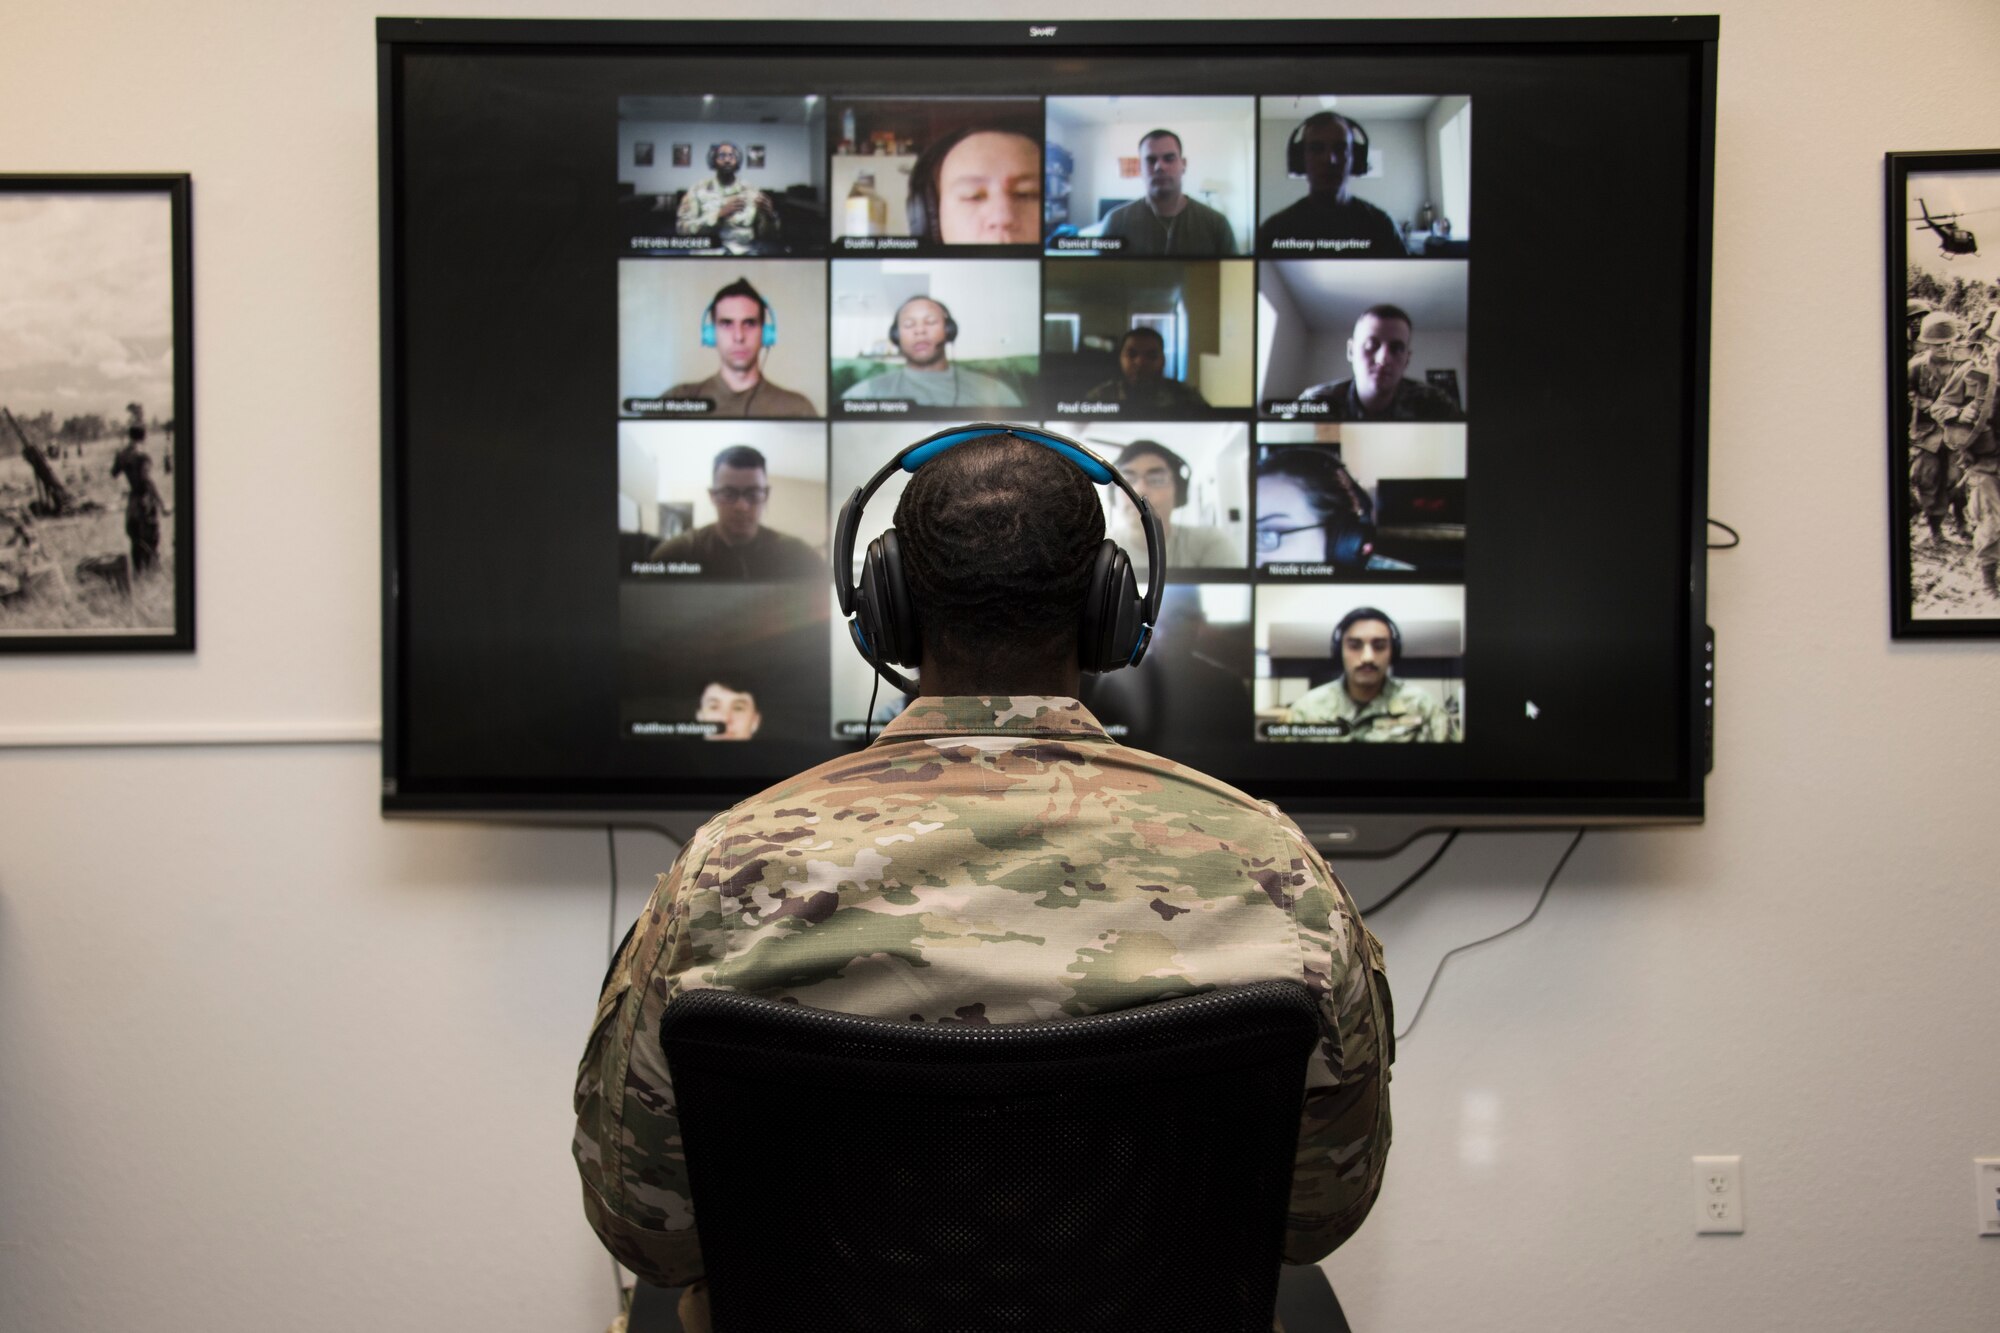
[(1127, 1171)]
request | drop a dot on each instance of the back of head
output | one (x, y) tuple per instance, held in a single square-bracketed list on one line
[(998, 539)]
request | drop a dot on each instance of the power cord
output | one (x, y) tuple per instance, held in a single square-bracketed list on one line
[(1420, 872), (1735, 537), (1532, 912)]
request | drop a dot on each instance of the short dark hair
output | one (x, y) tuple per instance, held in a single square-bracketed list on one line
[(1386, 310), (1162, 134), (1143, 331), (741, 287), (998, 539), (738, 455)]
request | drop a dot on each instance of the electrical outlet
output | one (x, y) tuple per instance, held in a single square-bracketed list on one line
[(1986, 1189), (1718, 1191)]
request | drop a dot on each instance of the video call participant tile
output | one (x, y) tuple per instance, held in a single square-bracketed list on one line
[(1365, 177), (730, 338), (1195, 477), (1154, 339), (936, 175), (704, 501), (1337, 662), (1376, 503), (1376, 341), (707, 664), (1191, 694), (722, 175), (1146, 177), (935, 339)]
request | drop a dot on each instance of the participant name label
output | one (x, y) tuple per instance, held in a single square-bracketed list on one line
[(1343, 244), (879, 243), (1296, 408), (676, 728), (701, 242), (1101, 244), (1090, 409), (675, 407), (1304, 731), (876, 405)]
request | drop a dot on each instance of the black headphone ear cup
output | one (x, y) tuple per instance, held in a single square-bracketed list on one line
[(895, 338), (1295, 152), (1108, 633), (950, 327), (1349, 541), (884, 609), (1357, 148)]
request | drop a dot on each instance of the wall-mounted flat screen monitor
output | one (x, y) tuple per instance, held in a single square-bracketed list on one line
[(1401, 327)]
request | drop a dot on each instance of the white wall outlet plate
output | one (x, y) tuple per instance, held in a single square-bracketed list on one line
[(1718, 1195)]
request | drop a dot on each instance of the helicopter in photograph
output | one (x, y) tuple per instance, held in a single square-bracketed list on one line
[(1953, 239)]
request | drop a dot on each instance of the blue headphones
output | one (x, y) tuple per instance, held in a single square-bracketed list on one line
[(1117, 622), (740, 287)]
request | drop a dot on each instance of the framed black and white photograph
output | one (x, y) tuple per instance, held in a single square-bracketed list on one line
[(753, 157), (1944, 455), (96, 414)]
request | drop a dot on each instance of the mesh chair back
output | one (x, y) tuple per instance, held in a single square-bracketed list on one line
[(1126, 1171)]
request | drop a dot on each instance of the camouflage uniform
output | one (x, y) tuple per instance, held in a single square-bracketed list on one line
[(754, 222), (986, 860), (1400, 712)]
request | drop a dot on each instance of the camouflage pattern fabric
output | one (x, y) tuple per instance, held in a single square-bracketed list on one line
[(1401, 712), (986, 860)]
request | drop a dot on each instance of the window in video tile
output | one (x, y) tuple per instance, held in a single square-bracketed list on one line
[(1363, 341), (1157, 339), (722, 175), (913, 175), (1365, 177), (934, 337), (1337, 662), (722, 338), (1360, 500), (1149, 176)]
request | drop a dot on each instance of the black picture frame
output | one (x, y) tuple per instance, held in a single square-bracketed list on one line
[(1942, 314), (97, 440)]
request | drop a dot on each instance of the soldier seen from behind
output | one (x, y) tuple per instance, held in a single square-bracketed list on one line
[(994, 856)]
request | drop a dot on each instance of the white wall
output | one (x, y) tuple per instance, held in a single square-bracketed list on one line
[(264, 1058)]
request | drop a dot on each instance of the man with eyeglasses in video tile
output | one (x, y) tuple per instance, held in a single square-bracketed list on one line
[(738, 545)]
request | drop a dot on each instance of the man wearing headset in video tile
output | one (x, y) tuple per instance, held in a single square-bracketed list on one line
[(741, 217), (954, 888), (740, 325), (923, 331), (1329, 150), (1367, 697)]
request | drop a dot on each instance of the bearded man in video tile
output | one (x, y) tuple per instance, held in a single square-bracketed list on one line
[(1142, 385)]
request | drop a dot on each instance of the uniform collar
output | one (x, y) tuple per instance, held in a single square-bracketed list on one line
[(993, 715)]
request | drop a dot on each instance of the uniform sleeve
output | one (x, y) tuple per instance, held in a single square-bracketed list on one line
[(1344, 1126), (628, 1145)]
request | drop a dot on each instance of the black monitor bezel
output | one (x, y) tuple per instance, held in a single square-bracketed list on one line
[(1538, 805)]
